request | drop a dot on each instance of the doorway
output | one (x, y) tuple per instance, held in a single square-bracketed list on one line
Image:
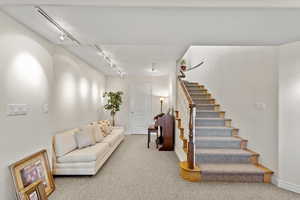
[(140, 107)]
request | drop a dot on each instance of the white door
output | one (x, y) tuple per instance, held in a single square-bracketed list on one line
[(140, 101)]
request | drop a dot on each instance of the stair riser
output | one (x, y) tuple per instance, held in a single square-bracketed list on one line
[(211, 123), (247, 178), (208, 114), (208, 107), (218, 144), (197, 93), (195, 87), (202, 96), (212, 158), (204, 101), (213, 132)]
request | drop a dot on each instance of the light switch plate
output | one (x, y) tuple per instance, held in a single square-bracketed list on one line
[(17, 109), (45, 108), (260, 106)]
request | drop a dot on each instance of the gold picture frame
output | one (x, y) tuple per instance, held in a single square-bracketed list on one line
[(36, 191), (31, 169)]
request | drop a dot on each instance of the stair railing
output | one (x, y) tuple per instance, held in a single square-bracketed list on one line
[(187, 109)]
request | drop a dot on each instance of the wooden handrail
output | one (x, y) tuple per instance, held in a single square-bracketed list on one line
[(187, 95), (192, 105)]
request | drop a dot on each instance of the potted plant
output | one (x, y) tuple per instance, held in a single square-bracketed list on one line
[(183, 65), (114, 101)]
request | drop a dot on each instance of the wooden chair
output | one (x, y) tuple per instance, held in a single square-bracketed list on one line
[(152, 129)]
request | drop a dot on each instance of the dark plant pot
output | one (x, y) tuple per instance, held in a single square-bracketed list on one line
[(183, 68)]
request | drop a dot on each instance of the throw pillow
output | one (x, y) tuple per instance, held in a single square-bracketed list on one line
[(105, 127), (85, 137), (65, 142), (99, 136)]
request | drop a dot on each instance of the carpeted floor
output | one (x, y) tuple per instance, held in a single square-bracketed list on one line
[(136, 173)]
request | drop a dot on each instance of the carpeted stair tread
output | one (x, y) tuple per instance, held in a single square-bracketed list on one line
[(223, 155), (207, 138), (224, 168), (214, 127), (211, 118), (209, 104), (218, 142), (239, 152), (214, 131), (218, 122), (201, 98)]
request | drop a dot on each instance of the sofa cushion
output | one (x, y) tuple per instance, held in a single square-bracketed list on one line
[(88, 154), (112, 139), (118, 130), (65, 142)]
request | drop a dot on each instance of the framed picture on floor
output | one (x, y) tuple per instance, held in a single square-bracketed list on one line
[(36, 191), (29, 170)]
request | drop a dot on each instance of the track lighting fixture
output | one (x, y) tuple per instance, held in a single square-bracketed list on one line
[(64, 33), (109, 60)]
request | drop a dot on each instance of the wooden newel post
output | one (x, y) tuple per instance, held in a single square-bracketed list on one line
[(190, 155)]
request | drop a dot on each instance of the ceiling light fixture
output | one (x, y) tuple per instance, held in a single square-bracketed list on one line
[(44, 14), (109, 61), (62, 37)]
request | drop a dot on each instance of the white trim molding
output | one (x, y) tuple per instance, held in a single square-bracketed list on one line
[(285, 185)]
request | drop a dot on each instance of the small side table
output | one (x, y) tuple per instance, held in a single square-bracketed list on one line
[(152, 129)]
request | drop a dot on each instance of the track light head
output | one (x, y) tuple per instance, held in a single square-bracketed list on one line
[(62, 37)]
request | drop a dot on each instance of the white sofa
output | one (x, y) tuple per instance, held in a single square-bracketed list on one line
[(69, 160)]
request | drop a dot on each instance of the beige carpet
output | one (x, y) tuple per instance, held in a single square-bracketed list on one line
[(137, 173)]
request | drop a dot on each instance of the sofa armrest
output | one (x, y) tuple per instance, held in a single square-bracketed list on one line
[(119, 129)]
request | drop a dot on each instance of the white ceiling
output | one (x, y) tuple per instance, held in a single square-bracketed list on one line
[(162, 3), (136, 37)]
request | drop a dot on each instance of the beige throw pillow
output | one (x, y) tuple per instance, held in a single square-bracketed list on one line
[(65, 142), (85, 137), (99, 136), (105, 127)]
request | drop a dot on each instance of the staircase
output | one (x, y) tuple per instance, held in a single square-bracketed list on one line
[(220, 154)]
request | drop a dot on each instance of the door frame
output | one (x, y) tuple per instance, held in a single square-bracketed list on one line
[(131, 87)]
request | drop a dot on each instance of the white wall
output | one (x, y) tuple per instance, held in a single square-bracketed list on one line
[(289, 117), (241, 79), (160, 87), (77, 92), (34, 72)]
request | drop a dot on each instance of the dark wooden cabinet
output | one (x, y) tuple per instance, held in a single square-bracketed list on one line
[(166, 139)]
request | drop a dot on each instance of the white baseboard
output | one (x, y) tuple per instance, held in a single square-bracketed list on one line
[(286, 185)]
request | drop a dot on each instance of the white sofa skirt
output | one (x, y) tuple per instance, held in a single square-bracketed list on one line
[(85, 168)]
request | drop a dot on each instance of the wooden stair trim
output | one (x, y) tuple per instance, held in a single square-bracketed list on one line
[(188, 174), (244, 142), (181, 135), (267, 173)]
